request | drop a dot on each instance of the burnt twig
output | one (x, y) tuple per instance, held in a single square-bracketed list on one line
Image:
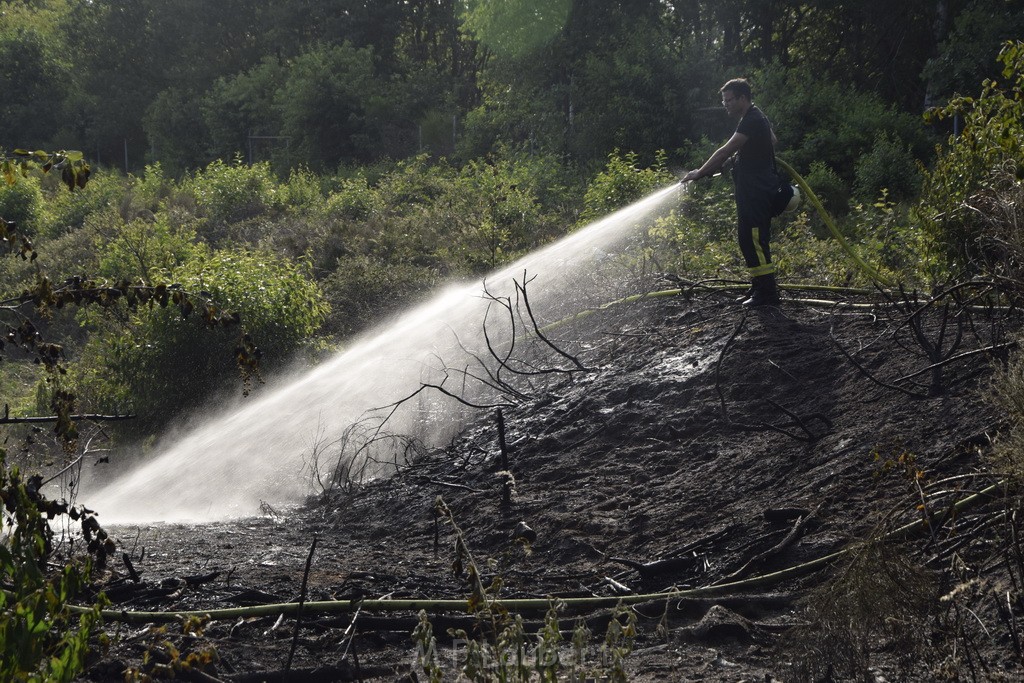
[(302, 601)]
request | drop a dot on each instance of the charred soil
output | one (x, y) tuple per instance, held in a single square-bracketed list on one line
[(706, 445)]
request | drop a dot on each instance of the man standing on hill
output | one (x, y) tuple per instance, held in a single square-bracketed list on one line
[(756, 182)]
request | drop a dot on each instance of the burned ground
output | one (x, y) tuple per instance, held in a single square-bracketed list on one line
[(707, 444)]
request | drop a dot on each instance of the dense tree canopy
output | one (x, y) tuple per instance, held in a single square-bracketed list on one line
[(345, 81)]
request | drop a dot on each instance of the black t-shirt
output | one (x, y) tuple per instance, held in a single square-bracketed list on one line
[(757, 154)]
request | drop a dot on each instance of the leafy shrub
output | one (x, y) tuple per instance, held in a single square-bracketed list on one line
[(228, 193), (364, 290), (353, 200), (175, 129), (830, 188), (621, 183), (333, 106), (698, 240), (165, 364), (978, 167), (20, 203), (303, 194), (890, 166), (882, 234), (153, 187), (41, 639), (498, 212), (818, 119), (67, 211), (1008, 395), (236, 106), (145, 249)]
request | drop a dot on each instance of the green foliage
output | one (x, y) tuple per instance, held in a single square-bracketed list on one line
[(889, 166), (304, 194), (621, 183), (32, 71), (884, 235), (159, 361), (64, 212), (143, 250), (175, 130), (348, 81), (830, 188), (516, 27), (354, 200), (819, 120), (698, 241), (964, 56), (228, 193), (434, 216), (41, 639), (333, 105), (985, 161), (20, 202), (237, 106), (498, 212), (363, 290)]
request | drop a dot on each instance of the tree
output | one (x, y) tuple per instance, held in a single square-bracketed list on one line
[(963, 58), (333, 106), (30, 72)]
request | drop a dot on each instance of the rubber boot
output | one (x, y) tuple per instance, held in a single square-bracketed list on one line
[(766, 292), (747, 294)]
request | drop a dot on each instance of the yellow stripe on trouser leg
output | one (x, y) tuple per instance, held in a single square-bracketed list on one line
[(765, 268)]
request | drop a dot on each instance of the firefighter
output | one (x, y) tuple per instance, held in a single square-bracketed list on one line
[(756, 180)]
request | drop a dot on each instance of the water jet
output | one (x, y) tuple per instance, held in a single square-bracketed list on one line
[(257, 451)]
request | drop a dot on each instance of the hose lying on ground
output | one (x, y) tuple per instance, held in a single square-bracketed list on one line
[(536, 604)]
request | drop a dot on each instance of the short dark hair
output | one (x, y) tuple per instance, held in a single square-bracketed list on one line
[(739, 87)]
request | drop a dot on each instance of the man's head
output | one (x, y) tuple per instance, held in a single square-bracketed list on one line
[(736, 96)]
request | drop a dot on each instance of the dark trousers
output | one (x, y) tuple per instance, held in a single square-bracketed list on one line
[(754, 220)]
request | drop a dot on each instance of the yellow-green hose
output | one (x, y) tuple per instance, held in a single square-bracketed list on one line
[(816, 203)]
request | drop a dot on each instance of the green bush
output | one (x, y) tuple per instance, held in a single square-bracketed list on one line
[(830, 188), (175, 129), (978, 171), (244, 104), (364, 290), (499, 215), (698, 240), (65, 211), (890, 166), (621, 183), (146, 249), (821, 120), (354, 200), (333, 106), (165, 363), (20, 203), (303, 193), (41, 639), (229, 193)]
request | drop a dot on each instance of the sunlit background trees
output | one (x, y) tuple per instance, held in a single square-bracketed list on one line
[(370, 151)]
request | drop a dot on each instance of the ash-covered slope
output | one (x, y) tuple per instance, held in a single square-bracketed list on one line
[(704, 444)]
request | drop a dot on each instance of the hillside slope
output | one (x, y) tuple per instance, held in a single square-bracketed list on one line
[(725, 443)]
